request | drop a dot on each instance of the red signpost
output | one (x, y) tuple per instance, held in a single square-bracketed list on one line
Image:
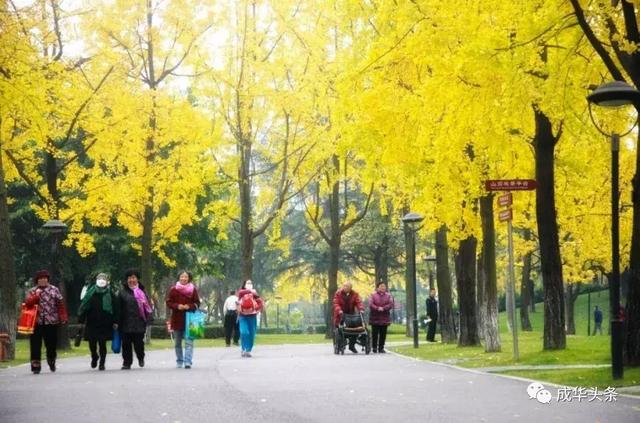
[(505, 215), (510, 184), (505, 200)]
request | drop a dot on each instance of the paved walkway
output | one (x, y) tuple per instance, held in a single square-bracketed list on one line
[(290, 383)]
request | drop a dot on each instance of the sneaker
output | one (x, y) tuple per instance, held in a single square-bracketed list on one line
[(36, 371), (187, 366), (141, 362), (247, 354), (94, 363), (178, 365), (242, 354), (52, 365), (382, 351), (125, 367), (374, 351), (352, 348), (101, 367)]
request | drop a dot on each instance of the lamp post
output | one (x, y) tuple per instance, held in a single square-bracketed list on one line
[(430, 260), (409, 220), (611, 95), (56, 228)]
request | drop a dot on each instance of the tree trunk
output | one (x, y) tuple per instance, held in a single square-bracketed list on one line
[(8, 291), (381, 261), (571, 295), (532, 294), (246, 212), (466, 279), (146, 268), (525, 298), (481, 298), (443, 280), (334, 250), (491, 329), (550, 262)]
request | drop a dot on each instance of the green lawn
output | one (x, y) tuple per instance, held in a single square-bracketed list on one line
[(581, 349)]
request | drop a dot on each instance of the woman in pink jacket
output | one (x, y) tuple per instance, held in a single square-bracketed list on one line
[(380, 305)]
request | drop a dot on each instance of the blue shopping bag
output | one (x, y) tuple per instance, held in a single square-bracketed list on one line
[(194, 324), (116, 342)]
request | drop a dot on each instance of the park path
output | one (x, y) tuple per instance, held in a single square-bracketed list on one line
[(285, 383)]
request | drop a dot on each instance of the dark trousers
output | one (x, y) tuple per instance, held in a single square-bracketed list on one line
[(378, 336), (431, 330), (137, 341), (94, 344), (48, 333), (231, 328)]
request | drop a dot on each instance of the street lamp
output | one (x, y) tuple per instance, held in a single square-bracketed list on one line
[(429, 260), (55, 227), (410, 220), (611, 95)]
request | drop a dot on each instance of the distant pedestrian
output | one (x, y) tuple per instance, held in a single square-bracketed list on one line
[(51, 313), (249, 304), (182, 297), (432, 315), (135, 314), (597, 318), (230, 311), (380, 306), (99, 312)]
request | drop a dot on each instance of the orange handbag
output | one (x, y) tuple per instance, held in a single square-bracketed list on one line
[(27, 321)]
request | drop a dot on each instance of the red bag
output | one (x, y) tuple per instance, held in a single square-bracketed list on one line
[(248, 304), (27, 321)]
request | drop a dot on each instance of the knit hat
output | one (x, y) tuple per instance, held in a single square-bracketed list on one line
[(41, 274)]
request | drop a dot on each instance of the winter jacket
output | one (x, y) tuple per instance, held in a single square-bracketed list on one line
[(259, 301), (432, 308), (176, 298), (51, 308), (347, 303), (377, 300), (130, 320), (98, 322)]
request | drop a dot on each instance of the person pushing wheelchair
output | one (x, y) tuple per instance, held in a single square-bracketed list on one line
[(346, 301)]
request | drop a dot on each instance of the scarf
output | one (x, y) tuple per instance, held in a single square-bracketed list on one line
[(144, 308), (186, 289), (106, 299)]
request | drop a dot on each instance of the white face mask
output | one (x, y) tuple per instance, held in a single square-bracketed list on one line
[(101, 283), (248, 286)]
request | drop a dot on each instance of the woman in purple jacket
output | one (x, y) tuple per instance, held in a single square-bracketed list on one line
[(380, 304)]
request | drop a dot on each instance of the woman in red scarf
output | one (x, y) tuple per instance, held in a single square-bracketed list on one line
[(183, 296)]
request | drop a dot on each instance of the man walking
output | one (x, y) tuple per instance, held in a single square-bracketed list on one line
[(432, 314), (597, 317), (229, 309)]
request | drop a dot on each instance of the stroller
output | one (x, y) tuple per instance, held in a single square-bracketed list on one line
[(351, 326)]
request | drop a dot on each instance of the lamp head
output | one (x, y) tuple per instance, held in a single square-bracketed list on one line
[(615, 94)]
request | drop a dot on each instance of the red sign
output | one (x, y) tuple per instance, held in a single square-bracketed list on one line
[(510, 184), (505, 200), (505, 215)]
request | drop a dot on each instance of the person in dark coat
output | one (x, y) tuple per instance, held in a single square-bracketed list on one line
[(380, 306), (182, 297), (597, 318), (432, 314), (135, 314), (346, 301), (98, 311)]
